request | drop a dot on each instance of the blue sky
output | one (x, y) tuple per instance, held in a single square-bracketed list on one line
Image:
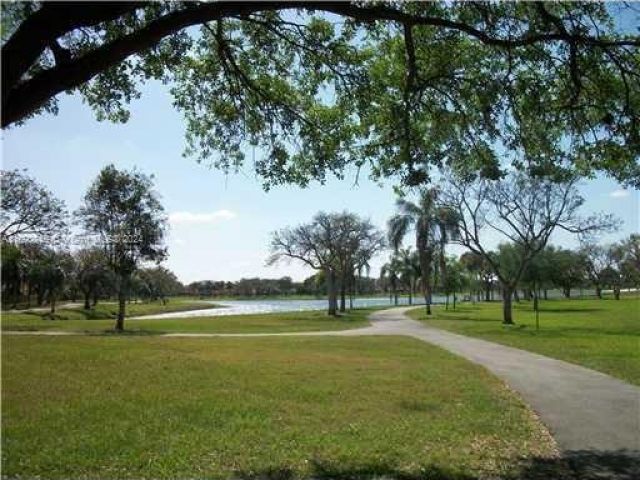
[(220, 225)]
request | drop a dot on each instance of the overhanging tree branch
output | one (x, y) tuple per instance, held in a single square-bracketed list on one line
[(21, 97)]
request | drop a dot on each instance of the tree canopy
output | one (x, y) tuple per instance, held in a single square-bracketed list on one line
[(339, 244), (124, 212), (317, 86), (29, 210)]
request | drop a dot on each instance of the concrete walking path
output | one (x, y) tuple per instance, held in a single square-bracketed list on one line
[(585, 410)]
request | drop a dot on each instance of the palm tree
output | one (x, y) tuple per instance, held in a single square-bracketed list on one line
[(447, 221), (434, 226), (390, 272), (410, 269)]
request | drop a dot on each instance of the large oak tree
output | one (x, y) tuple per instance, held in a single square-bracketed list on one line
[(403, 87)]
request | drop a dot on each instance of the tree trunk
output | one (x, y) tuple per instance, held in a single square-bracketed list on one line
[(122, 305), (410, 297), (446, 302), (507, 314), (352, 290), (443, 267), (516, 297), (28, 296), (343, 295), (425, 264), (487, 293), (52, 301), (599, 292), (87, 301), (331, 291), (616, 292), (454, 300)]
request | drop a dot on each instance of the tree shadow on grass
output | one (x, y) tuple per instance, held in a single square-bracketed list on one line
[(125, 333), (333, 471), (586, 465), (573, 465), (544, 309)]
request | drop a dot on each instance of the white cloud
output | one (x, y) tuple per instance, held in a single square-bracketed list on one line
[(619, 193), (192, 218)]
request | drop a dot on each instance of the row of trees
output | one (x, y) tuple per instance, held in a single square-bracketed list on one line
[(36, 275), (250, 287), (520, 209), (614, 267), (123, 227)]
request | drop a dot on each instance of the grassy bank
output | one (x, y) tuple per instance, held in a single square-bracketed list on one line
[(599, 334), (262, 323), (150, 407), (109, 310)]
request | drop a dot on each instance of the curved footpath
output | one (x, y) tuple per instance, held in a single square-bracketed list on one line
[(585, 410)]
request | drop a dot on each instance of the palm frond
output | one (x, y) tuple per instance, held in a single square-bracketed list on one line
[(398, 226), (406, 207)]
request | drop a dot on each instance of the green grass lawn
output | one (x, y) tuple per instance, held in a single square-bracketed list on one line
[(109, 310), (262, 323), (599, 334), (152, 407)]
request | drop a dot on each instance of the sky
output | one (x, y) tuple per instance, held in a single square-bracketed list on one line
[(220, 225)]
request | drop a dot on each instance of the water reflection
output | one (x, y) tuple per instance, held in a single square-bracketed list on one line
[(246, 307)]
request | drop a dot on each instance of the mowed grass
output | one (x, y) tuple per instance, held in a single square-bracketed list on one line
[(259, 323), (339, 407), (600, 334), (109, 310)]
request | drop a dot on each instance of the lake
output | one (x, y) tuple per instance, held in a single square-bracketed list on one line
[(246, 307)]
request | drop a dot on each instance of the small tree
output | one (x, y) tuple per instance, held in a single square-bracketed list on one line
[(481, 270), (92, 273), (390, 274), (158, 283), (566, 270), (12, 273), (597, 264), (454, 281), (52, 277), (122, 209), (28, 210), (410, 270), (629, 263)]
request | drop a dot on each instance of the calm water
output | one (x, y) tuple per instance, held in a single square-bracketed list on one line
[(245, 307)]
